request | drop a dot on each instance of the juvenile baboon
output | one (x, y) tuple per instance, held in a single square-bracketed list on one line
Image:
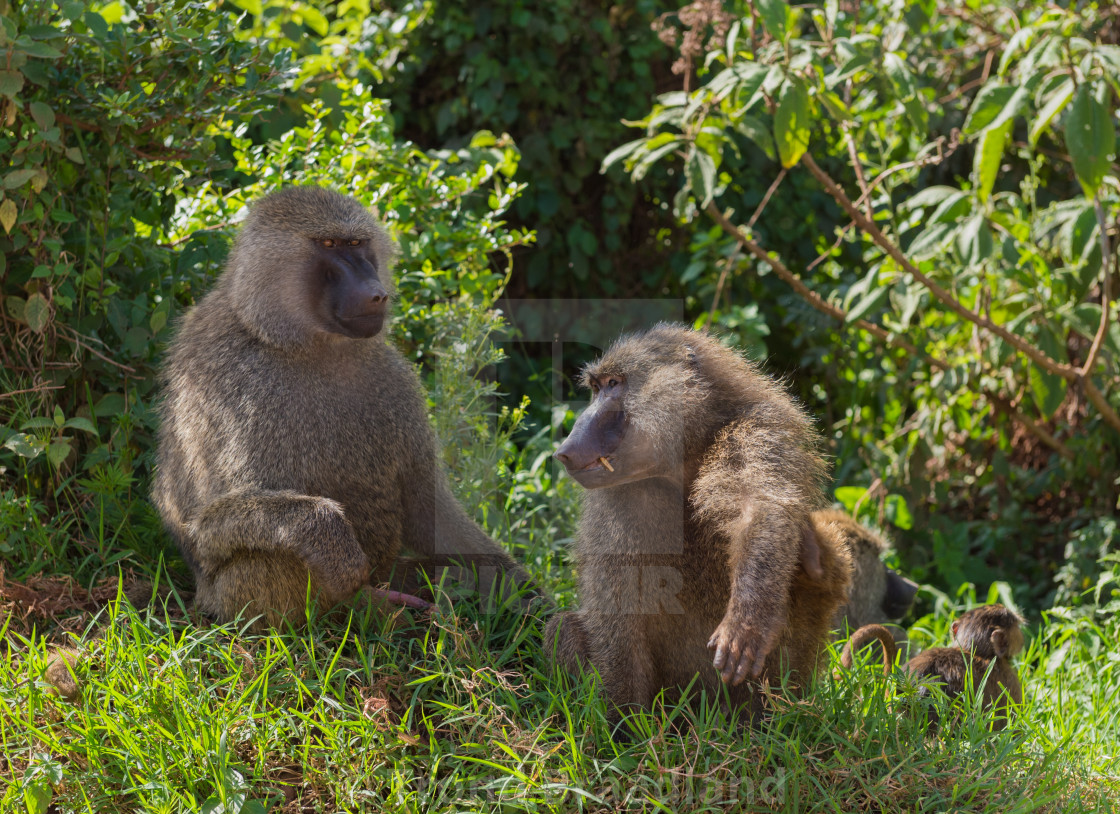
[(986, 636), (701, 474), (879, 595), (294, 443)]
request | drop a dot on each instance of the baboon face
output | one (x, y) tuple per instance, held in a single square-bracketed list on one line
[(989, 631), (345, 286), (643, 391), (311, 261), (600, 451)]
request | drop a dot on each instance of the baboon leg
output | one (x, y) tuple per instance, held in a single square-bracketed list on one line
[(565, 642), (267, 585)]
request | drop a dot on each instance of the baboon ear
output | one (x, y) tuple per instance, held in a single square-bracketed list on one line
[(999, 642), (956, 625)]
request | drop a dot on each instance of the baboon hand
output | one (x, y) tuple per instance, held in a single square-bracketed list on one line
[(740, 648)]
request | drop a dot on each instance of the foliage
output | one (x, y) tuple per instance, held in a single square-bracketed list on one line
[(457, 713), (126, 192), (558, 77), (983, 283)]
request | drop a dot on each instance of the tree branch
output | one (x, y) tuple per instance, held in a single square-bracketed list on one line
[(1034, 354), (820, 304)]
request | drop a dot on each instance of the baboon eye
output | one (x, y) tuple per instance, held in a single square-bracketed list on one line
[(328, 243), (612, 382), (595, 388), (354, 242)]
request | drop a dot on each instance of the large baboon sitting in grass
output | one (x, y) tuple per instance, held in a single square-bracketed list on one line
[(295, 450), (696, 547)]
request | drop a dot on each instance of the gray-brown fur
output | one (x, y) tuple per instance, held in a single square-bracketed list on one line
[(290, 450), (987, 636), (878, 595), (865, 636), (694, 542)]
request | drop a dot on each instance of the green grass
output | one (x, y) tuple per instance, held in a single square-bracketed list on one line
[(459, 712)]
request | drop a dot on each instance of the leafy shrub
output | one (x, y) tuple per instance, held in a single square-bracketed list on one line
[(979, 199)]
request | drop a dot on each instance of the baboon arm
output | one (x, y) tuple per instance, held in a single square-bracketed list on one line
[(312, 528), (763, 556)]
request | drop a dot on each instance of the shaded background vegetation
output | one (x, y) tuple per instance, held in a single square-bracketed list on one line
[(135, 133), (578, 151)]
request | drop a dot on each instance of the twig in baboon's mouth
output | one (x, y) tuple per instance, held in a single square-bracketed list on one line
[(607, 464)]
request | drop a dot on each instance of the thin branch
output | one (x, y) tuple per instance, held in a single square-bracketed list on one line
[(820, 304), (766, 198), (42, 388), (812, 297), (77, 339), (1106, 289), (857, 165), (1034, 354)]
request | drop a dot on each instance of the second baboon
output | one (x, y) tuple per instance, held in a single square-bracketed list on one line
[(986, 637), (879, 595), (295, 451), (701, 476)]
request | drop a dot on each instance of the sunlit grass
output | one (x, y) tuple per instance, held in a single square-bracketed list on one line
[(459, 712)]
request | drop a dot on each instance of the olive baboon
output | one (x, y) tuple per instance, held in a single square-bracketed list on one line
[(701, 475), (294, 443), (879, 595), (986, 636)]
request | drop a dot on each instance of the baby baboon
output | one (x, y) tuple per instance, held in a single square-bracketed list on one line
[(701, 475), (986, 636), (879, 595), (294, 443)]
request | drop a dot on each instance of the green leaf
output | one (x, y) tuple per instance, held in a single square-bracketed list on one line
[(791, 122), (702, 177), (756, 131), (849, 496), (37, 312), (868, 304), (79, 423), (254, 7), (37, 795), (58, 450), (25, 446), (41, 50), (1054, 105), (1090, 136), (1019, 100), (930, 241), (1048, 390), (896, 512), (989, 103), (930, 196), (59, 416), (18, 178), (649, 159), (8, 214), (986, 162), (11, 83), (619, 153), (773, 13), (975, 241)]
